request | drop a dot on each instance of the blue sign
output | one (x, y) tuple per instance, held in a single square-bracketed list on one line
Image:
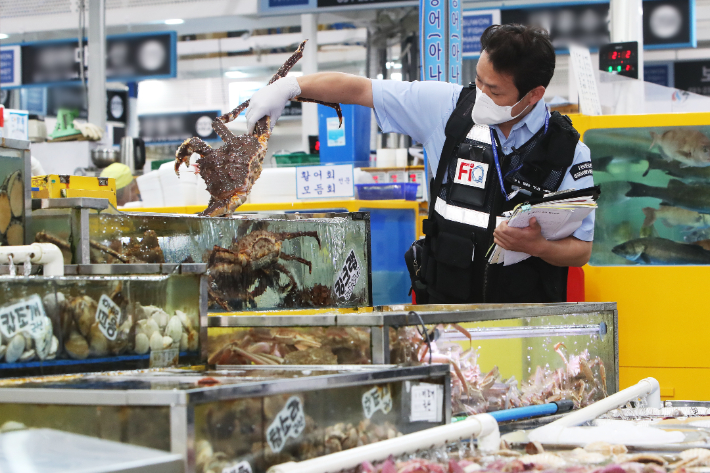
[(474, 24), (10, 66), (434, 50), (454, 72), (286, 3), (659, 74)]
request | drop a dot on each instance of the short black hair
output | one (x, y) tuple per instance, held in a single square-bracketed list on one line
[(525, 52)]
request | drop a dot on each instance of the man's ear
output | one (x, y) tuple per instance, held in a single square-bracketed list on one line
[(536, 94)]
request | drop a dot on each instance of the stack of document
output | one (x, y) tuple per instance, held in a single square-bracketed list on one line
[(558, 219)]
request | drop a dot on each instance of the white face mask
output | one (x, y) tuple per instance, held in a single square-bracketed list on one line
[(487, 112)]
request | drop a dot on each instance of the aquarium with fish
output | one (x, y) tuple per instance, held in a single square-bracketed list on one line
[(654, 207), (220, 419), (500, 356), (15, 191), (253, 261), (79, 323)]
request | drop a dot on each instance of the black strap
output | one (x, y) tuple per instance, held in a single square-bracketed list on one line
[(459, 124)]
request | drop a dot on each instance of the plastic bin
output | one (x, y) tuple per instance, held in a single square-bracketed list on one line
[(387, 191), (349, 143), (150, 189), (296, 159)]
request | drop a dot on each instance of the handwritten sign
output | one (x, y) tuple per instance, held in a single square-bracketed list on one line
[(348, 277), (107, 315), (25, 316), (241, 467), (377, 399), (328, 181), (585, 79), (426, 402), (289, 422), (164, 358)]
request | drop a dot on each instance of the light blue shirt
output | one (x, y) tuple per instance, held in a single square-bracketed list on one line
[(421, 110)]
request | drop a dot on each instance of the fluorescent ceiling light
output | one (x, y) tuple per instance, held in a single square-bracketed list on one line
[(236, 74), (4, 36), (174, 21)]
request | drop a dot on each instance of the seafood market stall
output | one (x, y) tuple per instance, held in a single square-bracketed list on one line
[(225, 418), (14, 191), (501, 356)]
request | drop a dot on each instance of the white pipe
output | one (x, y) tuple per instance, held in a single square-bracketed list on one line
[(483, 426), (46, 254), (552, 433)]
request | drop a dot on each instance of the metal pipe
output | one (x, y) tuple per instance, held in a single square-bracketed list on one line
[(46, 254), (525, 332), (97, 63), (482, 426)]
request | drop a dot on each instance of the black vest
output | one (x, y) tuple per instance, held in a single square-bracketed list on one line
[(459, 230)]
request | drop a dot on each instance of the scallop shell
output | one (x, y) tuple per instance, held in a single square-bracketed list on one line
[(53, 347), (174, 329), (168, 342), (15, 348), (184, 319), (606, 448), (28, 355), (142, 344), (546, 459), (99, 343), (641, 458), (160, 317), (183, 342), (580, 455), (694, 453), (156, 341), (76, 346)]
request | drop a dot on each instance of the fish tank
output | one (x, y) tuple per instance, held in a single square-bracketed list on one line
[(654, 207), (15, 201), (249, 418), (282, 261), (66, 324), (500, 356)]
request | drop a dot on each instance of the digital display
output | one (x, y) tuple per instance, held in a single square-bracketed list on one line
[(619, 58)]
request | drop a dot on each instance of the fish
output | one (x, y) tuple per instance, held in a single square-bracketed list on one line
[(675, 169), (676, 193), (689, 147), (704, 244), (623, 231), (661, 251), (697, 235), (675, 216)]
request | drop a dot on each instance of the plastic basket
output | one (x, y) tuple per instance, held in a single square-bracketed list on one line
[(295, 159), (387, 191)]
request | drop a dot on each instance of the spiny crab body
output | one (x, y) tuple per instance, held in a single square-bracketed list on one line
[(231, 170)]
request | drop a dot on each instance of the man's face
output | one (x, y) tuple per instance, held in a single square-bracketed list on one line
[(499, 87)]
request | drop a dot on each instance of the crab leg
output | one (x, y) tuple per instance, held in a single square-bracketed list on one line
[(192, 145), (335, 106), (296, 258), (292, 235), (231, 116)]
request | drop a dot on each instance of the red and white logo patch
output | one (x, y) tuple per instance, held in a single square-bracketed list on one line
[(471, 173)]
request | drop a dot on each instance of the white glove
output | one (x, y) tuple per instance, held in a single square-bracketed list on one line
[(89, 130), (270, 101)]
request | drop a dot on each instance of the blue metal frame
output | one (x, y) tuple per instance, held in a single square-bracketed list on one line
[(173, 61)]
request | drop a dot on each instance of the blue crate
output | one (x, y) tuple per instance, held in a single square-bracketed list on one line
[(387, 191), (351, 142)]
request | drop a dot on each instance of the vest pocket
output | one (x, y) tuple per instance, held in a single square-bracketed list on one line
[(454, 257)]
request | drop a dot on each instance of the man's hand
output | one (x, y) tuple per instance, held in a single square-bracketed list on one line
[(525, 240), (270, 101)]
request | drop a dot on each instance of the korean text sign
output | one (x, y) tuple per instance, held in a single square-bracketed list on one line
[(328, 181)]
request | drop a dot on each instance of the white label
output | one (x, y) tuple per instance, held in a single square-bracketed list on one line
[(328, 181), (426, 403), (380, 177), (471, 173), (164, 358), (585, 80), (25, 316), (290, 422), (108, 315), (241, 467), (418, 177), (348, 277), (377, 399), (336, 133), (397, 176)]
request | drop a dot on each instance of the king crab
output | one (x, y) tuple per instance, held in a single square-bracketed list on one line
[(231, 170), (252, 259)]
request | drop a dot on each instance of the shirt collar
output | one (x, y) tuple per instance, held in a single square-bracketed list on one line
[(533, 120)]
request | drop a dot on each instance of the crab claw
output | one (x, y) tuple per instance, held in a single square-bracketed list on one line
[(182, 156)]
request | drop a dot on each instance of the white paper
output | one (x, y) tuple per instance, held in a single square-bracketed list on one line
[(348, 277), (328, 181), (25, 316), (108, 315), (289, 422), (241, 467), (376, 399), (589, 103), (426, 402)]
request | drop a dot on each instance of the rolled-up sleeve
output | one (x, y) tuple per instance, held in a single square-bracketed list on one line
[(417, 109), (581, 155)]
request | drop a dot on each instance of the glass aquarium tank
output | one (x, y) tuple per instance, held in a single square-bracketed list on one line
[(253, 261), (70, 323), (221, 419), (654, 207), (500, 356), (14, 191)]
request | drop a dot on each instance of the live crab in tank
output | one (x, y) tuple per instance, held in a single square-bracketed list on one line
[(231, 170)]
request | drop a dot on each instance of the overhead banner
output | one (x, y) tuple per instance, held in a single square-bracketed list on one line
[(286, 7), (10, 67), (666, 23), (128, 58), (177, 127)]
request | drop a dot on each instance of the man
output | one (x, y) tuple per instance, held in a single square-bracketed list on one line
[(524, 154), (126, 186)]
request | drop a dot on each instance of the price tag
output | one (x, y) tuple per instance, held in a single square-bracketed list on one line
[(107, 315), (397, 176), (426, 403), (377, 399), (348, 277), (164, 358), (289, 422), (329, 181), (380, 177), (418, 177), (25, 316), (241, 467)]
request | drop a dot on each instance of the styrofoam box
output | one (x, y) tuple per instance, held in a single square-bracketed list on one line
[(150, 189), (177, 191), (274, 185)]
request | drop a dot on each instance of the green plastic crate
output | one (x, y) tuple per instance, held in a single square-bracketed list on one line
[(295, 159)]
